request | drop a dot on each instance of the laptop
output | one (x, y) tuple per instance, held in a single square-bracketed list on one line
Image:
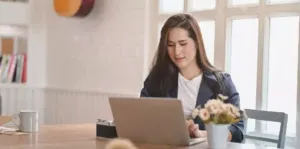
[(151, 121)]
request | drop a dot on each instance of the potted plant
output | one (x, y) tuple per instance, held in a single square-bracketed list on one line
[(217, 115)]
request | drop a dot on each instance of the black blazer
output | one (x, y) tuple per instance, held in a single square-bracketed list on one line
[(209, 88)]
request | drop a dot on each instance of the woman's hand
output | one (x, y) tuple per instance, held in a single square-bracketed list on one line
[(194, 130), (196, 133)]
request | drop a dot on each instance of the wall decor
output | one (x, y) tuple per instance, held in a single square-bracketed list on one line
[(73, 8)]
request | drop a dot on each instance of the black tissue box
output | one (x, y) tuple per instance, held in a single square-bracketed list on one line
[(106, 129)]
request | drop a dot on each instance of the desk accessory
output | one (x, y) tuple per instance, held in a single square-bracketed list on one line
[(73, 8), (106, 129), (28, 122), (218, 115), (6, 130)]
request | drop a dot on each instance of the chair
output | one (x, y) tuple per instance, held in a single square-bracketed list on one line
[(280, 117)]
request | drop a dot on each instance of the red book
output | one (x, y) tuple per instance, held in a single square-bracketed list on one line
[(24, 73)]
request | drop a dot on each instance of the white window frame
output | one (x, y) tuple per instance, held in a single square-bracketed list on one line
[(222, 15)]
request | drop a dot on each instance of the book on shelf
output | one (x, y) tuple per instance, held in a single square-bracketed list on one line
[(13, 68)]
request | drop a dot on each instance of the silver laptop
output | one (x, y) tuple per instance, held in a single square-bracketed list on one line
[(151, 121)]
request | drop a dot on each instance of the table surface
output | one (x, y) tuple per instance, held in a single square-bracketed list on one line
[(79, 137)]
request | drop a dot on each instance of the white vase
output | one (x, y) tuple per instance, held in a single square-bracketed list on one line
[(217, 135)]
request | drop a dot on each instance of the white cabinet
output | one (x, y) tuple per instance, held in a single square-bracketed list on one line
[(14, 13)]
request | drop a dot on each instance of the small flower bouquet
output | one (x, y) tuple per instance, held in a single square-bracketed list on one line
[(216, 111), (217, 116)]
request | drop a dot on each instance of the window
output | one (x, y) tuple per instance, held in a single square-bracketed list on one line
[(243, 2), (281, 1), (243, 61), (171, 6), (243, 40), (208, 35), (283, 67), (198, 5)]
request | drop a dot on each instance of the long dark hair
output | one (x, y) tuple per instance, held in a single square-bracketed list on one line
[(163, 70)]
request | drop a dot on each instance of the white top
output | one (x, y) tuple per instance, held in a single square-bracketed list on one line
[(188, 92)]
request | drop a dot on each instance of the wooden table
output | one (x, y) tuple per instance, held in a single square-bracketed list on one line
[(81, 136)]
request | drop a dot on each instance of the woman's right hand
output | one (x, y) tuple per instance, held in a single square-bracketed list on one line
[(194, 130)]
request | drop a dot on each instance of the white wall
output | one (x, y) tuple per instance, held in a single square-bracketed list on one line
[(104, 51), (13, 13), (57, 106), (75, 65), (37, 42)]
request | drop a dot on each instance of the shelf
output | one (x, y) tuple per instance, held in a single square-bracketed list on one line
[(16, 1), (14, 13), (12, 85)]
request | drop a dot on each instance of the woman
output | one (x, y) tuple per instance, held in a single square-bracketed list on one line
[(181, 70)]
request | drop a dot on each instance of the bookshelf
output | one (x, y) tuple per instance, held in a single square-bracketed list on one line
[(13, 55), (23, 1)]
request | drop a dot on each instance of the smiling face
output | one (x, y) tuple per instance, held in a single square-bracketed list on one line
[(181, 48)]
